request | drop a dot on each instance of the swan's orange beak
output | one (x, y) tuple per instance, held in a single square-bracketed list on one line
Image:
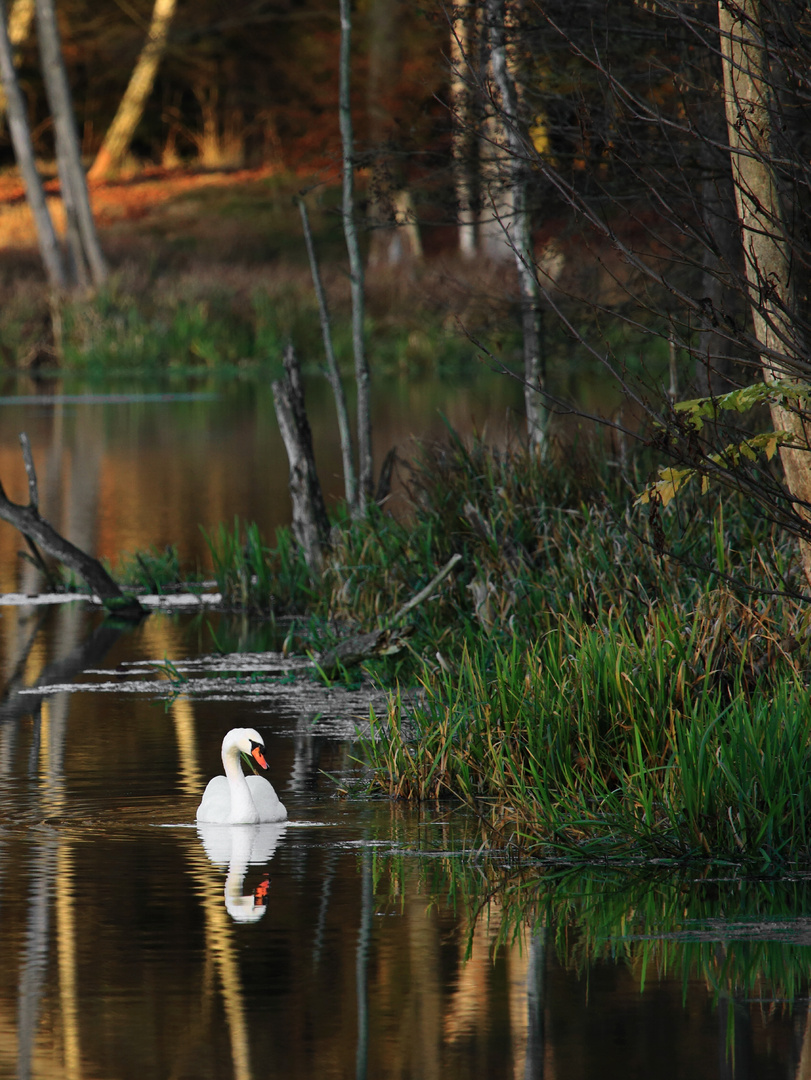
[(259, 757)]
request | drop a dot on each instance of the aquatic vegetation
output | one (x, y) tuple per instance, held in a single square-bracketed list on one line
[(594, 742), (598, 697), (152, 570), (252, 576)]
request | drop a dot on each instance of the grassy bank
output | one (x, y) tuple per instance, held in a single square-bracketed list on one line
[(209, 270), (605, 698), (586, 689)]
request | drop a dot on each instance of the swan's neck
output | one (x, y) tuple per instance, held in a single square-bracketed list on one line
[(242, 805)]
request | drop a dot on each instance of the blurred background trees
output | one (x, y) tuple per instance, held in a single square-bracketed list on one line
[(635, 175), (239, 83)]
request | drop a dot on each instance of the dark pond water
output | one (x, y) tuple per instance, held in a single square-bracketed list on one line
[(124, 467), (363, 939)]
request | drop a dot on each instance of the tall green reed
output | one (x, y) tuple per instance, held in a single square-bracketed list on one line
[(253, 576), (610, 740)]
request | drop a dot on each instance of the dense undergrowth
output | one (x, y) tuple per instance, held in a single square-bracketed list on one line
[(589, 684), (598, 695)]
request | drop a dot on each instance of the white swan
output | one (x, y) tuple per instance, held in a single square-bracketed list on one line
[(236, 799)]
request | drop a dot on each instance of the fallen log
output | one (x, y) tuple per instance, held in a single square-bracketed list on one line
[(354, 650), (39, 533), (384, 642)]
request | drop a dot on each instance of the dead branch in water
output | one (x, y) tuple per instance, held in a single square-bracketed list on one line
[(39, 533)]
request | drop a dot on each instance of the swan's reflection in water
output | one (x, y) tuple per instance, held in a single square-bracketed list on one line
[(238, 847)]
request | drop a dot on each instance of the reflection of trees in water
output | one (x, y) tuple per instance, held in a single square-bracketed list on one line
[(74, 654), (221, 952), (471, 1003), (34, 963), (50, 887), (51, 882)]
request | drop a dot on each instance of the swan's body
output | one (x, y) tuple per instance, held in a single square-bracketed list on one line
[(236, 799)]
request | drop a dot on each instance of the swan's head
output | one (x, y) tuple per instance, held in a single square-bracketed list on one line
[(246, 741)]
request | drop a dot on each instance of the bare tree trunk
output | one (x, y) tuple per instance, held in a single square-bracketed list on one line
[(356, 279), (71, 173), (766, 251), (24, 153), (462, 37), (334, 376), (119, 135), (78, 267), (713, 367), (20, 21), (519, 228), (310, 521)]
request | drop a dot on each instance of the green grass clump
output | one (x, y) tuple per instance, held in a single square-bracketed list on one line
[(254, 577), (594, 694), (152, 571), (612, 740)]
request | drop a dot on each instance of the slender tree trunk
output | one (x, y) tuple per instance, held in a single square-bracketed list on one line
[(519, 228), (20, 21), (119, 135), (766, 250), (78, 267), (69, 161), (356, 278), (24, 153), (462, 37), (383, 32), (344, 432)]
